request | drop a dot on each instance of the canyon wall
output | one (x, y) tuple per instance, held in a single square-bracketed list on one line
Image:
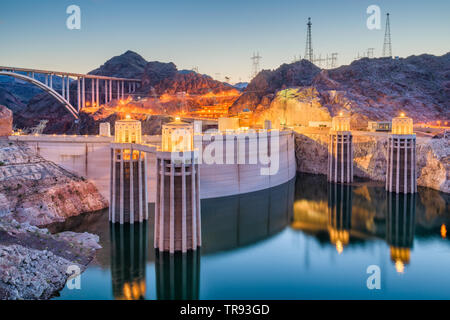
[(366, 90), (38, 192), (6, 121), (370, 152)]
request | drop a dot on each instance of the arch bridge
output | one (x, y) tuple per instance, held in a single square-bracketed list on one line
[(102, 89)]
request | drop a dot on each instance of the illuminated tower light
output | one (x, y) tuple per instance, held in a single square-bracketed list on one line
[(401, 163), (177, 212), (128, 188), (340, 151)]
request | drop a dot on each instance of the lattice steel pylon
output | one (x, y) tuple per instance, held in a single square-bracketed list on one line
[(309, 55), (255, 68), (387, 46)]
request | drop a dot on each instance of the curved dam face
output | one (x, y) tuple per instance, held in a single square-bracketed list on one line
[(221, 179), (89, 157)]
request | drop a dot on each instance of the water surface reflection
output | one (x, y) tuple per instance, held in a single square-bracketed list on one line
[(304, 239)]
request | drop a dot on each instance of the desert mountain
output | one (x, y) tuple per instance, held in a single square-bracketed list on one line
[(367, 89)]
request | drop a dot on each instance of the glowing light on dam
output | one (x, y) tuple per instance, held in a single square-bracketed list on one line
[(340, 151), (128, 189), (401, 173)]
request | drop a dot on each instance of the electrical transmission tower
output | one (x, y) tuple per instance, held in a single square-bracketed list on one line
[(256, 58), (309, 50), (334, 57), (370, 53), (387, 47)]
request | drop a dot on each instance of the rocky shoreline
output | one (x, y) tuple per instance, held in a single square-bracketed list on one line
[(34, 264), (35, 192)]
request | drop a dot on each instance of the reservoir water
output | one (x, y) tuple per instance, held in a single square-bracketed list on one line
[(305, 239)]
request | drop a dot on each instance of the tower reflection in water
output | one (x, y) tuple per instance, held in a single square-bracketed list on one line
[(400, 222), (177, 275), (339, 214), (128, 260)]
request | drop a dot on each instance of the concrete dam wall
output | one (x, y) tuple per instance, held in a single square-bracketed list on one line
[(89, 157)]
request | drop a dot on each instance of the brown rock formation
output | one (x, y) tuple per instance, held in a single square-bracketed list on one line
[(38, 191), (6, 120), (368, 89)]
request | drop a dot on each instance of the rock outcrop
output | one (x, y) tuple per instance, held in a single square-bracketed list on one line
[(35, 264), (367, 89), (6, 121), (370, 154), (262, 89), (128, 65), (38, 191)]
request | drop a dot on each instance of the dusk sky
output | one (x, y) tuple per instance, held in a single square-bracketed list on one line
[(218, 37)]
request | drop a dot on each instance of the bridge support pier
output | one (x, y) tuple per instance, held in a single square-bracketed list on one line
[(83, 93), (106, 91), (92, 92), (68, 89), (63, 87), (110, 91), (97, 97), (79, 95)]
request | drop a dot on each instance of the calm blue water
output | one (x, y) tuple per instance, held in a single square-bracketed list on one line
[(302, 240)]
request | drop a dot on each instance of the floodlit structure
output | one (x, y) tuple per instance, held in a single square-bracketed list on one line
[(340, 151), (401, 163), (105, 129), (177, 136), (379, 126), (177, 212), (128, 189), (245, 118), (228, 124)]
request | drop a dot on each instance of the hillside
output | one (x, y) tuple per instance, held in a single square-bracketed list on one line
[(367, 89)]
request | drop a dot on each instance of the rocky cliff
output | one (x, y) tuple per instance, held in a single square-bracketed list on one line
[(367, 89), (6, 121), (35, 192), (370, 153), (39, 192)]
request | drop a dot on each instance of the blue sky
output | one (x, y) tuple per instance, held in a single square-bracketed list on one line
[(218, 37)]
